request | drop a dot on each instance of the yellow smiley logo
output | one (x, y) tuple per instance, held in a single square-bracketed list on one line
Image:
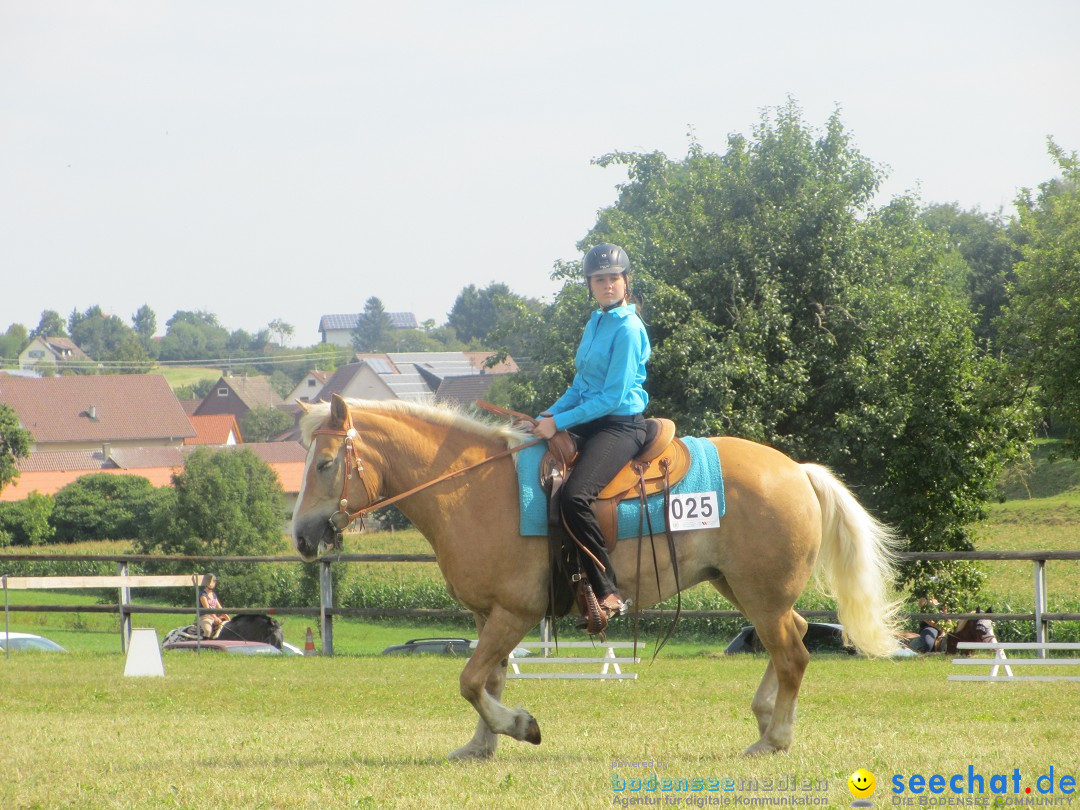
[(861, 783)]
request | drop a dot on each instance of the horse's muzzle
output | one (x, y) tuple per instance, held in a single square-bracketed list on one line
[(316, 537)]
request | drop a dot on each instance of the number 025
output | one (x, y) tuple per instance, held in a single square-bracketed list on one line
[(693, 510)]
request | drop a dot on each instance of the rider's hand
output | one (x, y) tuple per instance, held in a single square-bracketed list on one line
[(545, 428)]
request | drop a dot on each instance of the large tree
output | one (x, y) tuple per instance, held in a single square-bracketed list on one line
[(263, 424), (1043, 319), (107, 338), (225, 502), (12, 342), (783, 308), (145, 323), (15, 443), (49, 325), (984, 243), (373, 329), (193, 336)]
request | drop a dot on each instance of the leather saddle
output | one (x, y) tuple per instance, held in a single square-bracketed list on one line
[(663, 461)]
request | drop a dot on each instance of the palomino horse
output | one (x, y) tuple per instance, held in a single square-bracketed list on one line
[(782, 519)]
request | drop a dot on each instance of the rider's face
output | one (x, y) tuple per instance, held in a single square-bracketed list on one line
[(608, 288)]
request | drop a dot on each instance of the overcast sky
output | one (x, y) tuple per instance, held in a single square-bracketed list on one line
[(266, 160)]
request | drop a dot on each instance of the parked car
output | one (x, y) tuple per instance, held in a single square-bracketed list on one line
[(820, 637), (431, 646), (225, 645), (28, 641), (441, 646)]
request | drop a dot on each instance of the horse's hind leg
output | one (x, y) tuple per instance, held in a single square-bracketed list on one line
[(764, 700), (482, 682), (775, 701)]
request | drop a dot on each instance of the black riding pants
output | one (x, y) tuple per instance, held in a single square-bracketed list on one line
[(605, 446)]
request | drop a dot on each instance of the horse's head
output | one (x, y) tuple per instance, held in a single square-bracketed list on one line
[(979, 630), (335, 482), (275, 635)]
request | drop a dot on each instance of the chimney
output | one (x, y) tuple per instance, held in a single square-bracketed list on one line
[(92, 413)]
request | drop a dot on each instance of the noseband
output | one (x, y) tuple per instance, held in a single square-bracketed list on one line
[(342, 518)]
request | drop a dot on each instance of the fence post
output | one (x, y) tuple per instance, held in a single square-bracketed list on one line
[(545, 634), (1040, 605), (326, 600), (125, 602)]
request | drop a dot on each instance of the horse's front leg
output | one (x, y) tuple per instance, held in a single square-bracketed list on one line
[(482, 683)]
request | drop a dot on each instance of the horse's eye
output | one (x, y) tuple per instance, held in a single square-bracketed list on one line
[(325, 465)]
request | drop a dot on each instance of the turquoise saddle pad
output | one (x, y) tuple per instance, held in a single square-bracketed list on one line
[(703, 476)]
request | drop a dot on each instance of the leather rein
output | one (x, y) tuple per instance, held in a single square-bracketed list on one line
[(342, 518)]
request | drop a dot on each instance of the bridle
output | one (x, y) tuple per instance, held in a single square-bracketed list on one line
[(341, 519)]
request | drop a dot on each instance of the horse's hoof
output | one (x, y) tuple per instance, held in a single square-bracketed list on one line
[(532, 731), (761, 748), (468, 752)]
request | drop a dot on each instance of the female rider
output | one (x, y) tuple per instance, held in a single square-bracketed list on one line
[(602, 411)]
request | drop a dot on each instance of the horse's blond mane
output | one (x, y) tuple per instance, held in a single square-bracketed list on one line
[(449, 415)]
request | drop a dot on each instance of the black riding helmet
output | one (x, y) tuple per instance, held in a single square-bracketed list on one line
[(606, 258)]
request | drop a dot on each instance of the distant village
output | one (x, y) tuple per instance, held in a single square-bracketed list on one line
[(135, 424)]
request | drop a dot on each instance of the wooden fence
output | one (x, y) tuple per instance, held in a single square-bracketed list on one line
[(326, 611)]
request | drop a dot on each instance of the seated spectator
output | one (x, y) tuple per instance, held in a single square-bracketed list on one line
[(210, 623)]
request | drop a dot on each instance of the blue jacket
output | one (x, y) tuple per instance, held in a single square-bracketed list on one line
[(610, 364)]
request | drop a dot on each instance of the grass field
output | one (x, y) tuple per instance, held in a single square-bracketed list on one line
[(362, 730), (187, 375), (220, 731)]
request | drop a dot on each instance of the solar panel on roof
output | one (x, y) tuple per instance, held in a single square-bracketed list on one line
[(380, 365)]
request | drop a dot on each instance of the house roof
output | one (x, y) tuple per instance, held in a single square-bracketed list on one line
[(64, 345), (111, 407), (52, 481), (82, 460), (421, 376), (398, 320), (48, 473), (465, 389), (214, 429), (254, 392)]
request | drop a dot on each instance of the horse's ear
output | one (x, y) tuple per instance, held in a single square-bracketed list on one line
[(304, 406), (339, 413)]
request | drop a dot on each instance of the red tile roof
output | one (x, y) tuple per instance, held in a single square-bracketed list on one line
[(214, 429), (105, 408), (49, 483), (157, 464)]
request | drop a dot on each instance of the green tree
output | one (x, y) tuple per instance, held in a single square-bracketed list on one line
[(1043, 318), (490, 318), (15, 442), (26, 522), (984, 243), (50, 325), (107, 338), (263, 424), (193, 336), (782, 308), (12, 342), (100, 506), (373, 329), (225, 502), (281, 329), (145, 323)]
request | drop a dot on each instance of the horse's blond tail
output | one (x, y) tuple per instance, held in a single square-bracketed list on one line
[(857, 561)]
